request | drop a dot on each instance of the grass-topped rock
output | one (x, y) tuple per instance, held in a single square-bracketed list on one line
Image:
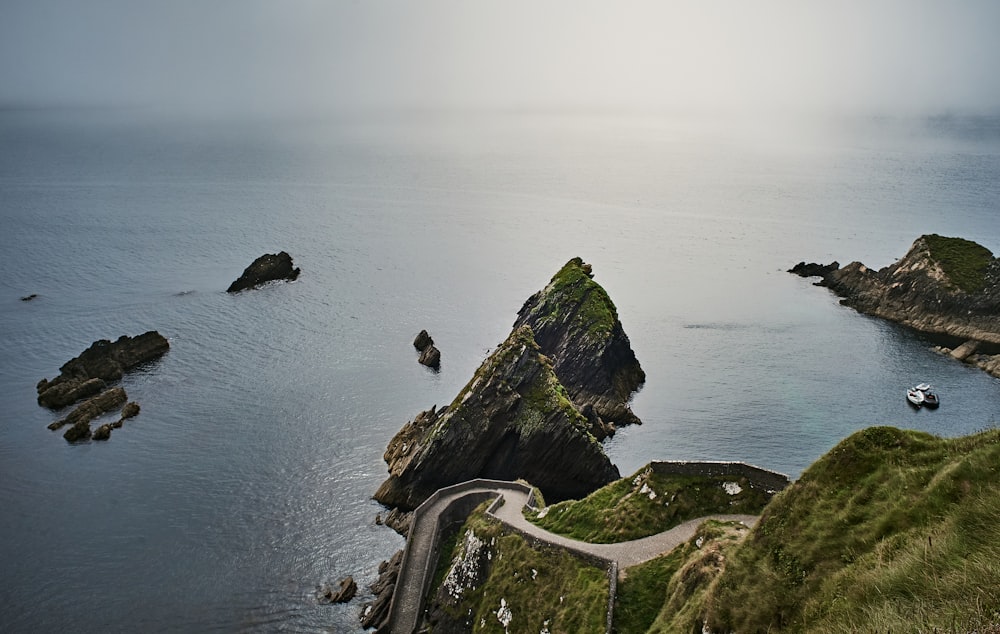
[(648, 503), (512, 420), (890, 531), (576, 325)]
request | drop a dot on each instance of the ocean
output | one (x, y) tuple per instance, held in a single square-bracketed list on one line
[(246, 480)]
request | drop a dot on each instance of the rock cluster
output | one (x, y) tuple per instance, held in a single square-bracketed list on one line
[(947, 286), (85, 378), (341, 593), (429, 354), (376, 614), (532, 410), (269, 267)]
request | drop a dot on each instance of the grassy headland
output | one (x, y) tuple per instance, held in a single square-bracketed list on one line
[(648, 503), (963, 261)]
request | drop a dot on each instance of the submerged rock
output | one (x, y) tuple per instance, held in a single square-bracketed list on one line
[(576, 325), (513, 420), (269, 267), (104, 360)]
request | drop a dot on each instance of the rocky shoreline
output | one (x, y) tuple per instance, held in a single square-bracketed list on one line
[(942, 286)]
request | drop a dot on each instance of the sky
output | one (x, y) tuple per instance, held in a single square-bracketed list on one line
[(223, 55)]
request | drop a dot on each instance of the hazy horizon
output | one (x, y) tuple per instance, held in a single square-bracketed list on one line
[(309, 55)]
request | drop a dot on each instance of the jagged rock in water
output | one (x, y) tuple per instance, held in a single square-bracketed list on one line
[(576, 325), (131, 410), (269, 267), (422, 341), (399, 521), (376, 614), (512, 420), (813, 269), (104, 360), (942, 285), (431, 357), (103, 432), (341, 593), (92, 408)]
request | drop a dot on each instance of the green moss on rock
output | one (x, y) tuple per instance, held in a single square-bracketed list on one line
[(964, 262)]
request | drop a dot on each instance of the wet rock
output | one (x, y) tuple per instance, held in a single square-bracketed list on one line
[(131, 410), (103, 432), (104, 360), (78, 432), (399, 521), (269, 267), (342, 593), (423, 341), (376, 613), (28, 298), (813, 269), (431, 357), (92, 408)]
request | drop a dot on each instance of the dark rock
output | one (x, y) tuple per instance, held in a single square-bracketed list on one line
[(79, 431), (576, 325), (67, 392), (399, 521), (131, 410), (422, 341), (103, 432), (376, 613), (431, 357), (92, 408), (511, 421), (103, 360), (28, 298), (343, 593), (813, 269), (269, 267)]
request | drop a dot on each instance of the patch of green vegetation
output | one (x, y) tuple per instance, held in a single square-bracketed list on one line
[(890, 531), (963, 261), (572, 292), (648, 503), (543, 589), (666, 594)]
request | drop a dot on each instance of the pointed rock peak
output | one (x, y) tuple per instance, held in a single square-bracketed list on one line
[(963, 263), (576, 325)]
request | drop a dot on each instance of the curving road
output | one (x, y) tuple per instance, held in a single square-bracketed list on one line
[(407, 601)]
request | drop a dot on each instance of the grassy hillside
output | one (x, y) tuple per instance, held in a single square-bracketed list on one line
[(963, 261), (648, 503), (493, 581), (890, 531)]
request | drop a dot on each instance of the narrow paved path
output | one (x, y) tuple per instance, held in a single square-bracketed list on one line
[(407, 602), (625, 553)]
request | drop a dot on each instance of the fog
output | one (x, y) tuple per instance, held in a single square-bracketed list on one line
[(257, 55)]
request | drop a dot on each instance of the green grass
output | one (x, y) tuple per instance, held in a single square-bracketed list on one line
[(624, 510), (890, 531), (963, 261), (543, 588)]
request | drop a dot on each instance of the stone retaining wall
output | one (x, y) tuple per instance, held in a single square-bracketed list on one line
[(768, 480)]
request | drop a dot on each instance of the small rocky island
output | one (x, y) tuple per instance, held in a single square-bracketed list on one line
[(534, 409), (269, 267), (945, 286), (86, 377), (429, 354)]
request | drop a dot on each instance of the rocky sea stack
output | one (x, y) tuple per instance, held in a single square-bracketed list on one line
[(269, 267), (535, 409), (576, 325), (946, 286)]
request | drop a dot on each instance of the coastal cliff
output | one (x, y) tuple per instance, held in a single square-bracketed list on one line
[(512, 420), (947, 286), (576, 325)]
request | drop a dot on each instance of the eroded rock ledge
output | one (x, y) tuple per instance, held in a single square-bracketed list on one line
[(947, 286)]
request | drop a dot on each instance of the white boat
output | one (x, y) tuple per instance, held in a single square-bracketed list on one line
[(915, 397), (931, 399)]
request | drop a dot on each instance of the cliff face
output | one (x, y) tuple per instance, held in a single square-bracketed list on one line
[(513, 420), (576, 325)]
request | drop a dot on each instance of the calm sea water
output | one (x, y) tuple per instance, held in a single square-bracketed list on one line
[(246, 480)]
